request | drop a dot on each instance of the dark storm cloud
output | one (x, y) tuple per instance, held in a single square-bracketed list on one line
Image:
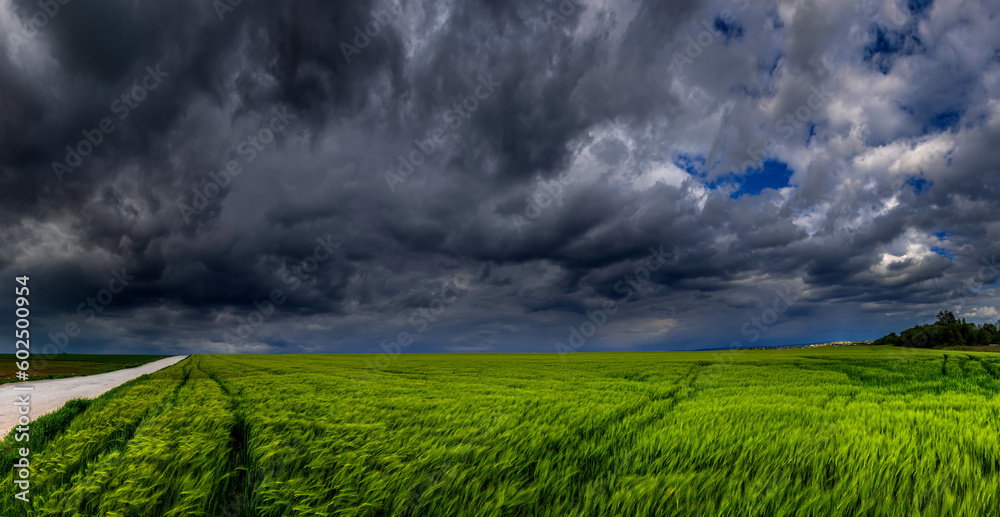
[(539, 146)]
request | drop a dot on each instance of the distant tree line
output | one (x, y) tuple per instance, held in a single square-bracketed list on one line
[(947, 331)]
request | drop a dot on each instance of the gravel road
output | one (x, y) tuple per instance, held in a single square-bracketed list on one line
[(49, 395)]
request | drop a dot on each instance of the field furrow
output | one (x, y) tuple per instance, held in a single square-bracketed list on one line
[(852, 432)]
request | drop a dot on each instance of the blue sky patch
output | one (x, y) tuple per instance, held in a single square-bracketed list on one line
[(939, 118), (886, 44), (943, 252), (730, 31), (918, 6), (772, 174), (919, 184), (994, 285), (946, 120), (693, 165)]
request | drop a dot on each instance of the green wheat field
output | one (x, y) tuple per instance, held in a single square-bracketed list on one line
[(881, 431)]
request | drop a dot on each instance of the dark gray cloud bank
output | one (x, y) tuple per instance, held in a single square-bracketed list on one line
[(486, 175)]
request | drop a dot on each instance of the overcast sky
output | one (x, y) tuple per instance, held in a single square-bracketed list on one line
[(189, 176)]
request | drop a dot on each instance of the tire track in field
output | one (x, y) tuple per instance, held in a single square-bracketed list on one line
[(124, 436), (684, 390), (133, 427), (988, 366), (237, 495), (689, 380), (621, 450), (684, 386), (622, 456)]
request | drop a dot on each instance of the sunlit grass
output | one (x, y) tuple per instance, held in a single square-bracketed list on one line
[(839, 431)]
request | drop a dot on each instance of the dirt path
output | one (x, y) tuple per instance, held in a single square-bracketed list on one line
[(49, 395)]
